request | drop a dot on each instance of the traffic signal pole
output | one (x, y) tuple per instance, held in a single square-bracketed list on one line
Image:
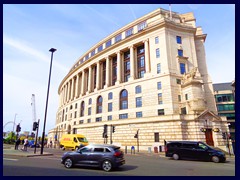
[(36, 137)]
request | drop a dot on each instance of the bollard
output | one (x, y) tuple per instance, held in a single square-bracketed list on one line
[(132, 149), (125, 149), (149, 149)]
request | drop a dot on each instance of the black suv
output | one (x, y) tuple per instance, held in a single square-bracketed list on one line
[(195, 150), (103, 156)]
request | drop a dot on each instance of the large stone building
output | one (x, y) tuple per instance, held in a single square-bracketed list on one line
[(149, 77)]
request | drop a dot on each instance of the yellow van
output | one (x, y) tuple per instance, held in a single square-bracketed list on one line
[(73, 141)]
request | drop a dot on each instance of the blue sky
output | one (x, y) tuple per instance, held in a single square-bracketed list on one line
[(29, 31)]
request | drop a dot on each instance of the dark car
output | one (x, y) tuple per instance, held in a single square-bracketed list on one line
[(103, 156), (194, 150)]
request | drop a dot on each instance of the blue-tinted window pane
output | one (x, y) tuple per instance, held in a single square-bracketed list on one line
[(159, 85), (157, 53), (182, 68), (118, 38), (138, 89), (108, 43), (180, 52), (109, 107), (142, 25), (110, 95), (179, 39), (129, 32), (158, 68), (100, 48), (156, 40), (138, 114), (138, 102)]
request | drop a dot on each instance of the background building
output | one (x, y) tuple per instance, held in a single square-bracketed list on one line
[(149, 80), (225, 102)]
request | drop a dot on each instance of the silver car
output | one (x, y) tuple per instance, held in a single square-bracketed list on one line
[(104, 156)]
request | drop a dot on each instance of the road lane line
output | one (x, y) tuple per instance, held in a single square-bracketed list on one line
[(8, 159)]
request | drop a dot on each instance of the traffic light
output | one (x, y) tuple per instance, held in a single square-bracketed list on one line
[(18, 129), (224, 135), (105, 128), (113, 129), (35, 126), (136, 136)]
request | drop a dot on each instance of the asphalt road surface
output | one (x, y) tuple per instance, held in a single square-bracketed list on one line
[(136, 165)]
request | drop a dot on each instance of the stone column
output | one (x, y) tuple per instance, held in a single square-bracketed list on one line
[(77, 88), (132, 64), (107, 72), (119, 68), (98, 76), (72, 88), (90, 79), (83, 83), (147, 62)]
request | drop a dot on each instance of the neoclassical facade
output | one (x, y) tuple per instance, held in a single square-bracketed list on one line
[(149, 77)]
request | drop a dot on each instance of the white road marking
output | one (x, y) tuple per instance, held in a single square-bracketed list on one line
[(8, 159)]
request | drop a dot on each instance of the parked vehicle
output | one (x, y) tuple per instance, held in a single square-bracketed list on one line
[(102, 156), (73, 141), (195, 150)]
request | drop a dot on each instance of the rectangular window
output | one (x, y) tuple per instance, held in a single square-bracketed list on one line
[(156, 137), (99, 119), (159, 85), (156, 40), (160, 98), (108, 43), (123, 116), (139, 102), (138, 89), (89, 120), (178, 81), (100, 48), (118, 38), (141, 26), (180, 52), (129, 32), (186, 97), (109, 118), (109, 107), (93, 53), (179, 39), (140, 62), (139, 114), (110, 95), (157, 53), (183, 110), (226, 107), (224, 98), (114, 70), (75, 114), (87, 57), (160, 112), (179, 98), (89, 111), (81, 122), (158, 68), (182, 68)]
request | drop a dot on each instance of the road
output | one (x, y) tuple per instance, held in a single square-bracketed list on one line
[(136, 165)]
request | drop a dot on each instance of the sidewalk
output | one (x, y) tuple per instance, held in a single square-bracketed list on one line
[(28, 153)]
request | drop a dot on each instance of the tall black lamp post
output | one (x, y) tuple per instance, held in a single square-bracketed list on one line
[(52, 50)]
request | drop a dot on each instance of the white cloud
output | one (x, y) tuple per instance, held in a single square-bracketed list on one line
[(26, 48)]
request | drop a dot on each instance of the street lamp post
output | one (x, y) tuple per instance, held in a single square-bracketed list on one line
[(52, 50)]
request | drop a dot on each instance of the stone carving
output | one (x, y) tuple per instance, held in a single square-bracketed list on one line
[(189, 76)]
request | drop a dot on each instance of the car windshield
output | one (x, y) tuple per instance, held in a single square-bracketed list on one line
[(203, 146), (82, 139)]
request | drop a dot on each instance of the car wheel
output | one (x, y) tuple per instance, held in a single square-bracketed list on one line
[(215, 159), (106, 165), (175, 156), (68, 163)]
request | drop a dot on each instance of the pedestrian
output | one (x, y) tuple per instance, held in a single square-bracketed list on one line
[(25, 144), (51, 144), (18, 141)]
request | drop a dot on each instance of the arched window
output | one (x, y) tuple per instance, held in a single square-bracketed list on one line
[(99, 104), (82, 109), (90, 101), (123, 99)]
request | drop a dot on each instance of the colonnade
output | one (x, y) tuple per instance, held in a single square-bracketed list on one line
[(91, 78)]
